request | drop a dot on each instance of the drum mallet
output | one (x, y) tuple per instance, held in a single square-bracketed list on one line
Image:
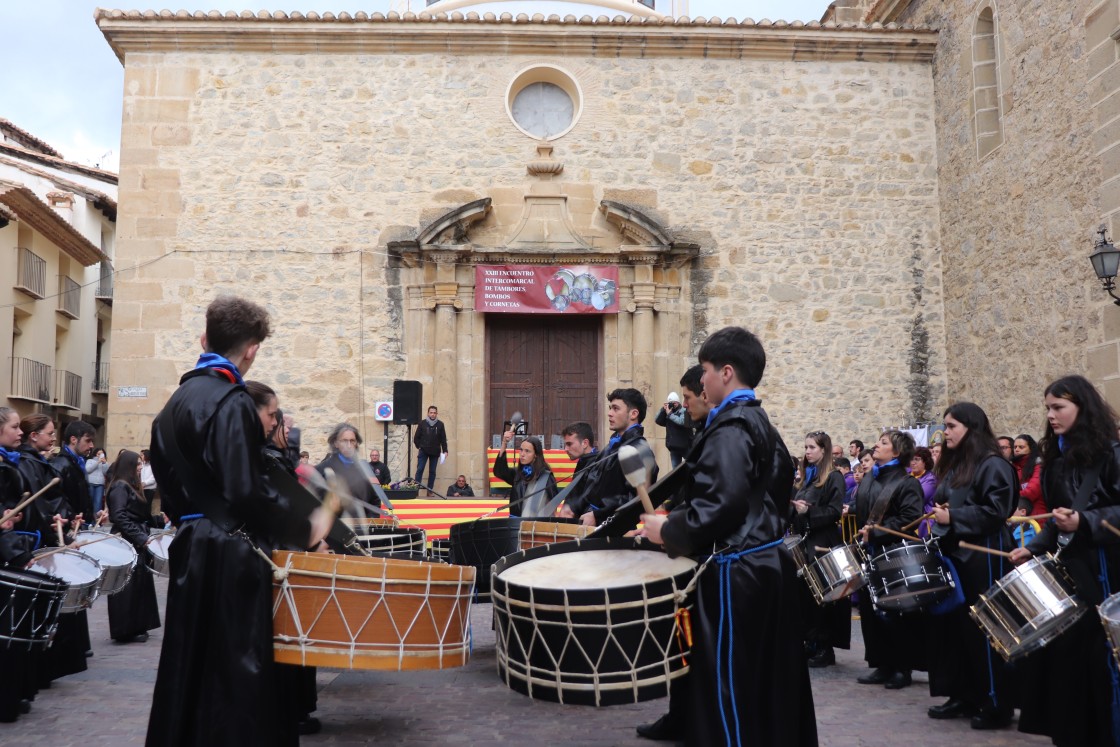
[(24, 504), (634, 468)]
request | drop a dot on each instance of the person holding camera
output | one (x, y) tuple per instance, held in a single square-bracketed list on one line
[(678, 427)]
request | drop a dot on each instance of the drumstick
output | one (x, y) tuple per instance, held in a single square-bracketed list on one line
[(990, 551), (1036, 517), (818, 548), (24, 504), (917, 521), (61, 540), (912, 537), (75, 546), (634, 468), (1109, 527)]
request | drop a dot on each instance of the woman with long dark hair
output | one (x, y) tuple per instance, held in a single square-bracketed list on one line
[(815, 513), (533, 482), (1028, 466), (1070, 686), (133, 610), (977, 492)]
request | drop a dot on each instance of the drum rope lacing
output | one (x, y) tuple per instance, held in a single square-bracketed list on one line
[(451, 650)]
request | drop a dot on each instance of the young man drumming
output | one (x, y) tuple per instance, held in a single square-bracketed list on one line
[(749, 680)]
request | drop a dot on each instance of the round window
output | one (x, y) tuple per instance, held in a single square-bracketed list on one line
[(544, 102)]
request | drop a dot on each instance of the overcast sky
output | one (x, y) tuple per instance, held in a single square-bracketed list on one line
[(63, 83)]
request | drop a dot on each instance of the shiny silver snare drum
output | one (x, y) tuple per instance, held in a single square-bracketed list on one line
[(838, 573), (159, 547), (1109, 610), (82, 572), (797, 547), (908, 577), (1028, 608), (114, 553)]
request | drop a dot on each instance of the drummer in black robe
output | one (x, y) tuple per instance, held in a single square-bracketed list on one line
[(1070, 690), (216, 681), (747, 599), (815, 514), (70, 463), (977, 491), (533, 483), (343, 460), (16, 688), (893, 644), (133, 610), (67, 653)]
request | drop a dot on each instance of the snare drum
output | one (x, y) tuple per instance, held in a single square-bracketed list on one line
[(115, 554), (354, 612), (1109, 610), (795, 544), (80, 571), (536, 533), (908, 577), (29, 605), (838, 573), (592, 622), (159, 549), (1028, 608)]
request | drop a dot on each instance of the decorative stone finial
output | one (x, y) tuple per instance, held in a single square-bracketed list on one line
[(545, 164)]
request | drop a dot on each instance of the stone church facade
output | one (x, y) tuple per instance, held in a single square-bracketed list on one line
[(818, 183)]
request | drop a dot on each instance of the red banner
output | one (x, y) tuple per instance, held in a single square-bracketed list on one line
[(532, 289)]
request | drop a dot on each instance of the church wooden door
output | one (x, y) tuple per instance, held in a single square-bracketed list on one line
[(546, 368)]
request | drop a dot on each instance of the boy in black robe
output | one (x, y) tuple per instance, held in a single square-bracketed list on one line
[(749, 680)]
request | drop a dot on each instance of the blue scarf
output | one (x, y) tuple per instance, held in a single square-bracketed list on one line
[(877, 467), (613, 442), (527, 470), (810, 474), (1061, 444), (739, 395), (12, 457), (343, 459), (80, 460), (213, 360)]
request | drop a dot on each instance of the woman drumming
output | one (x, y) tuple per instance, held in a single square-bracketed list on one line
[(1070, 685), (67, 653), (133, 611), (890, 498), (533, 482), (344, 441), (815, 513), (977, 492)]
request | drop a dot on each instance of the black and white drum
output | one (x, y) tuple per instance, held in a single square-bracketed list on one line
[(1028, 608), (114, 553), (159, 551), (30, 602), (400, 542), (482, 543), (80, 571), (440, 551), (908, 577), (592, 621), (837, 573), (1109, 610)]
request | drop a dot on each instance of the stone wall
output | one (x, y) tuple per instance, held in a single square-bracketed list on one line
[(1021, 303), (811, 187)]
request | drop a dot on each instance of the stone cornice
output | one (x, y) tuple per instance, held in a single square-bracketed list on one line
[(165, 31)]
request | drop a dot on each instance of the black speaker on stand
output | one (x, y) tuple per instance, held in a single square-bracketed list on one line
[(407, 399)]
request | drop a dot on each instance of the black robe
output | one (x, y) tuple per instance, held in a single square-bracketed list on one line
[(605, 488), (356, 481), (826, 624), (216, 680), (966, 667), (16, 683), (741, 478), (1067, 688), (67, 653), (134, 609), (523, 488), (892, 642), (75, 485)]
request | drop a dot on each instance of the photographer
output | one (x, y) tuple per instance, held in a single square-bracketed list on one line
[(678, 428)]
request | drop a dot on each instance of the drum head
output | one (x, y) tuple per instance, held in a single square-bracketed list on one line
[(160, 545), (109, 550), (595, 569), (75, 568)]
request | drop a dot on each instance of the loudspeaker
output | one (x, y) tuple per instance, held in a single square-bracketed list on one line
[(407, 398)]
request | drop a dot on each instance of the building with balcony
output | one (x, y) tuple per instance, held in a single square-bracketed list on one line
[(57, 229)]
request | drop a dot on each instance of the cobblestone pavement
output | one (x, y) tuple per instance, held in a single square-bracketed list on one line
[(108, 705)]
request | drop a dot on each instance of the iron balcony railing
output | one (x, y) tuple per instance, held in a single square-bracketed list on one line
[(31, 380), (100, 377), (31, 273), (67, 389), (69, 297)]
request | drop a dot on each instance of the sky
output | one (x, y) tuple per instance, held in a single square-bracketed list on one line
[(63, 84)]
